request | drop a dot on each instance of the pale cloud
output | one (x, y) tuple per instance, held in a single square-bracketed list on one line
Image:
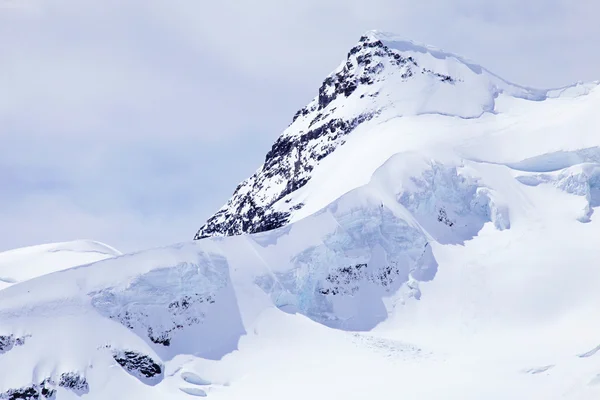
[(132, 121)]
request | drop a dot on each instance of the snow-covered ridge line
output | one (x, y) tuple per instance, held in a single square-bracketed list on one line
[(75, 245), (395, 41), (25, 263)]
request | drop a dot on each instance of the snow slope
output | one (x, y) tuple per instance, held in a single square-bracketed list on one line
[(358, 300), (435, 238), (29, 262)]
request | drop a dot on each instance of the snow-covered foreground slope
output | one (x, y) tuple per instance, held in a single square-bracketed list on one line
[(425, 230), (374, 296), (29, 262)]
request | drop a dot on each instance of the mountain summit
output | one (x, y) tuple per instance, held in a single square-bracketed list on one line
[(382, 77)]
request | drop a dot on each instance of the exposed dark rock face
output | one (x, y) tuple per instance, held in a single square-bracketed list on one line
[(42, 391), (74, 382), (46, 390), (346, 280), (139, 365), (386, 276), (443, 77), (7, 342), (315, 132), (288, 166), (443, 217)]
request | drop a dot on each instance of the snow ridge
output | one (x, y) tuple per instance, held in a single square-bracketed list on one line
[(25, 263)]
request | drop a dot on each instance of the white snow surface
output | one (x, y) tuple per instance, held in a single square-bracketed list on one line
[(29, 262), (436, 255)]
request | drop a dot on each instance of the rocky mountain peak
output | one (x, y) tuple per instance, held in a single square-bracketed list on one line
[(381, 77)]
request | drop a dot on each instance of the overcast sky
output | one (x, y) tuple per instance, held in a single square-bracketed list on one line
[(132, 121)]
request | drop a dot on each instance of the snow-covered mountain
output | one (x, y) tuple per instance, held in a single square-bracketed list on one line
[(383, 77), (423, 229)]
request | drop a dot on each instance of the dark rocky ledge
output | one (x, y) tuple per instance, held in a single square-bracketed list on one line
[(7, 342), (46, 390), (139, 365)]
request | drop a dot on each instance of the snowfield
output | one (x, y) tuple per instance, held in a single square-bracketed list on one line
[(445, 247)]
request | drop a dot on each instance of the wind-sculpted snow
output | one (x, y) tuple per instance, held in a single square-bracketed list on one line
[(558, 160), (28, 262)]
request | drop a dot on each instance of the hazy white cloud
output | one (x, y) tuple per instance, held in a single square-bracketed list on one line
[(132, 121)]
